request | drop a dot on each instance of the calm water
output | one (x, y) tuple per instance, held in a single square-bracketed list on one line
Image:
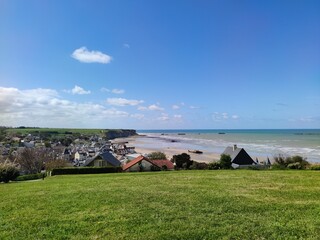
[(304, 142)]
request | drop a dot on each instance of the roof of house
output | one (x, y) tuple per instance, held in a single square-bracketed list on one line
[(135, 161), (232, 153), (163, 162), (108, 157), (238, 155)]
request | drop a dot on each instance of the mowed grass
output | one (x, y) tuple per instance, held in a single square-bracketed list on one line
[(240, 204)]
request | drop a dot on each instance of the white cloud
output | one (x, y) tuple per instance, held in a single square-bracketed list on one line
[(79, 90), (152, 107), (126, 45), (164, 117), (177, 116), (225, 115), (45, 108), (117, 91), (141, 108), (105, 89), (193, 107), (84, 55), (123, 102), (216, 116), (175, 107)]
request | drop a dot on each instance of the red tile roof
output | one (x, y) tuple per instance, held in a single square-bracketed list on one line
[(163, 162), (135, 161)]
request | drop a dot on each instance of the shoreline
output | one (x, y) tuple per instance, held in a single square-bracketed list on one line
[(145, 144)]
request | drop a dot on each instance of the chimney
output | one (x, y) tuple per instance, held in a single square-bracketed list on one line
[(234, 147)]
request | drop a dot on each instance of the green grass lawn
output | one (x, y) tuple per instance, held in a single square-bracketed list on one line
[(164, 205)]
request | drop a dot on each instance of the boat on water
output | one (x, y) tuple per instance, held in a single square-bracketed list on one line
[(195, 151), (181, 134), (221, 133)]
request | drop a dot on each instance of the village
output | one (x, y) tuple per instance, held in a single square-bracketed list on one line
[(110, 150)]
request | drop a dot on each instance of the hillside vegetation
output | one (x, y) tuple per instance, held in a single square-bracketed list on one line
[(221, 204)]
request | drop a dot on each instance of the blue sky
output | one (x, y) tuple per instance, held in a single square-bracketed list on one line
[(160, 64)]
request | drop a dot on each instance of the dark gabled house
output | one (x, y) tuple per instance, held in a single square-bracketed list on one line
[(104, 159), (239, 157)]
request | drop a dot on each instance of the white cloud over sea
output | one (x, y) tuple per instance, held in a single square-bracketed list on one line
[(84, 55)]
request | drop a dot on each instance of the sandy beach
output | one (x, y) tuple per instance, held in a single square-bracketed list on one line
[(171, 146), (145, 145)]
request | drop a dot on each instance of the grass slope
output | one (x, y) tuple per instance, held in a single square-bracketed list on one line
[(164, 205)]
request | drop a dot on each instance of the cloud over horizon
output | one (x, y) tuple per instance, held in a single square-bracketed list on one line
[(45, 108), (84, 55)]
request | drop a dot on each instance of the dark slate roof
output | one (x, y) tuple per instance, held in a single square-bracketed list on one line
[(108, 157)]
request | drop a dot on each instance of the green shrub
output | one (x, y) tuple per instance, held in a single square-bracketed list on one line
[(295, 162), (85, 170), (315, 167), (155, 168), (156, 156), (8, 172), (182, 161), (30, 177), (198, 166), (225, 161), (295, 165), (214, 166)]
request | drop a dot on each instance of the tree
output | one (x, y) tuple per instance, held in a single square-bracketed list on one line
[(157, 156), (182, 161), (32, 160), (56, 163), (225, 161), (295, 162), (8, 171)]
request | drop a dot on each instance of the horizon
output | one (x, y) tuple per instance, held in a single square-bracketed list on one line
[(152, 65), (160, 129)]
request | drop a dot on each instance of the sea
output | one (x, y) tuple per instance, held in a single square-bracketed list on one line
[(259, 142)]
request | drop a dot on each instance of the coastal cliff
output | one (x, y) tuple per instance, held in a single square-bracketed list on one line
[(119, 133)]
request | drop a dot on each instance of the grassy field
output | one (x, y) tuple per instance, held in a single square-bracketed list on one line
[(164, 205)]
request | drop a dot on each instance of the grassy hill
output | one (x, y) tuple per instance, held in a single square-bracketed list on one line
[(164, 205)]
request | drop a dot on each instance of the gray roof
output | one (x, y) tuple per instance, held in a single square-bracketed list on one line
[(108, 157), (229, 151), (239, 156)]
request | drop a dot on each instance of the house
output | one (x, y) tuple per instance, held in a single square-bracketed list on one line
[(164, 164), (239, 157), (140, 164), (105, 159)]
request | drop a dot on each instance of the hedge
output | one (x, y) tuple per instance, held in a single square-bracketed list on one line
[(29, 177), (85, 170), (315, 167)]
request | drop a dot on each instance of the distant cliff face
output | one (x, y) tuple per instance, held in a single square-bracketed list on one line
[(119, 133)]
